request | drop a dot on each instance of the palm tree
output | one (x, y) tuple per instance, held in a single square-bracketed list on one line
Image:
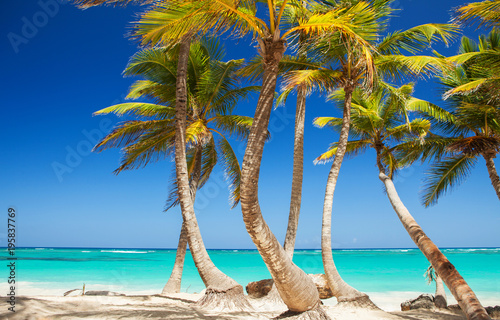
[(172, 22), (470, 130), (380, 122), (349, 65), (440, 295), (213, 94)]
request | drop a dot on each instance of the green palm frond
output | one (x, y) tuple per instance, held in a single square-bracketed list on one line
[(433, 147), (84, 4), (233, 125), (322, 79), (232, 170), (354, 148), (129, 132), (333, 122), (153, 146), (209, 160), (444, 175), (487, 13), (398, 67), (417, 127), (139, 109), (432, 110), (417, 38), (170, 21), (151, 90)]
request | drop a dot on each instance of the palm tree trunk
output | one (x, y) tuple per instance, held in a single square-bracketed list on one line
[(440, 296), (174, 282), (341, 290), (294, 286), (222, 291), (297, 175), (464, 295), (492, 171)]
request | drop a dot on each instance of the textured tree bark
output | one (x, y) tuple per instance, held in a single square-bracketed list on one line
[(294, 286), (440, 296), (341, 290), (492, 171), (297, 175), (174, 282), (218, 284), (464, 295)]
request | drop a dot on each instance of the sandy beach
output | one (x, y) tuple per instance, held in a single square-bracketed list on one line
[(182, 306)]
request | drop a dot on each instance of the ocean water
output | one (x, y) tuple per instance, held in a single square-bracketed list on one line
[(389, 276)]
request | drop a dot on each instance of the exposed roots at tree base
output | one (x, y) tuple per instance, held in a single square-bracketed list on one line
[(273, 296), (362, 302), (317, 313), (219, 299)]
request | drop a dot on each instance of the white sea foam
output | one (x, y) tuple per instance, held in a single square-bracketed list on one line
[(85, 251), (123, 251)]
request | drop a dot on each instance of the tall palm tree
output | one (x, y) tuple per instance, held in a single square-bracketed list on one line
[(167, 23), (470, 130), (212, 96), (349, 65), (220, 286), (380, 122)]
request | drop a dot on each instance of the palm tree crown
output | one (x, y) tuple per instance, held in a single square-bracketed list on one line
[(213, 93)]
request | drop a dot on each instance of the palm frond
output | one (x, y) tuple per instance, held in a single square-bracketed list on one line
[(444, 175), (139, 109), (417, 38), (231, 169), (354, 148), (487, 13)]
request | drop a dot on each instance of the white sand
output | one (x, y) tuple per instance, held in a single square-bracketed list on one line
[(177, 306)]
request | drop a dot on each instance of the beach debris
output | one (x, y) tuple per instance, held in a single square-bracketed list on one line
[(424, 301), (75, 292), (103, 293)]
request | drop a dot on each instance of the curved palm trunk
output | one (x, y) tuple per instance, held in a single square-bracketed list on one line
[(464, 295), (297, 175), (492, 171), (294, 286), (341, 290), (440, 296), (174, 282), (218, 284)]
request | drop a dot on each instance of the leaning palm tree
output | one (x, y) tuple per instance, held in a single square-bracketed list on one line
[(213, 94), (471, 129), (380, 122), (173, 22), (339, 63)]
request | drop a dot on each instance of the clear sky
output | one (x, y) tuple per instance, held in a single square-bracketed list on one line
[(60, 64)]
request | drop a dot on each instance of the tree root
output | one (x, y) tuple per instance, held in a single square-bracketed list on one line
[(273, 296), (223, 299), (362, 302), (317, 313)]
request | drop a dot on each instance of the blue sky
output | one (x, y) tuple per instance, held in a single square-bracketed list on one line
[(60, 64)]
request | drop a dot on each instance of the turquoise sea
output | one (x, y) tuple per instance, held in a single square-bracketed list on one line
[(388, 275)]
